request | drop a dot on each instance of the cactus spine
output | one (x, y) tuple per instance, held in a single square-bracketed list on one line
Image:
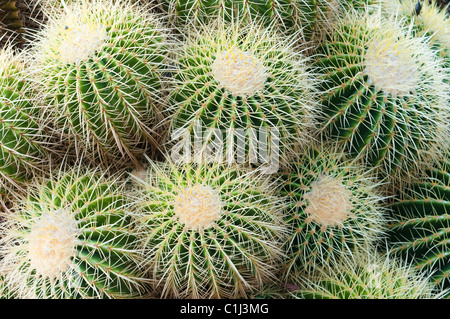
[(100, 67), (72, 237), (333, 209), (208, 231), (236, 82), (384, 95), (421, 230)]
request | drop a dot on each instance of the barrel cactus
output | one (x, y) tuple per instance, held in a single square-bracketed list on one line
[(72, 237), (99, 65), (333, 208), (208, 231), (243, 90), (385, 96), (373, 276), (24, 144), (420, 232)]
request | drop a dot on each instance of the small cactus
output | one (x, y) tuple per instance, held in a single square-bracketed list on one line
[(24, 146), (421, 230), (241, 77), (374, 276), (72, 237), (333, 209), (99, 65), (384, 94), (208, 231)]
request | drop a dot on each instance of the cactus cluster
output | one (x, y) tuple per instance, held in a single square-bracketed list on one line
[(230, 149)]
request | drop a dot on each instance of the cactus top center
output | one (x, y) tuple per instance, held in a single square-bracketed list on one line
[(80, 42), (391, 67), (52, 242), (198, 207), (329, 202), (239, 71)]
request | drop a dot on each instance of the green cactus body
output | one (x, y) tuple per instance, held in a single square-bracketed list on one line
[(384, 95), (22, 138), (368, 277), (421, 230), (307, 17), (333, 209), (209, 231), (72, 237), (100, 65), (241, 81)]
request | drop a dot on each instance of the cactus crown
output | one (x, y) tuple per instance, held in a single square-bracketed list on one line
[(391, 66), (198, 207), (239, 71), (51, 242), (329, 202)]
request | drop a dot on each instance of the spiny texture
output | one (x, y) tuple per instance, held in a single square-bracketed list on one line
[(208, 231), (72, 237), (99, 65), (384, 97), (367, 277), (421, 230), (238, 87), (333, 208), (428, 20), (23, 141), (306, 18)]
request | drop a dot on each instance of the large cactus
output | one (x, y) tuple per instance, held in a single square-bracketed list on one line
[(421, 230), (385, 96), (241, 86), (333, 209), (100, 66), (72, 237), (208, 231), (23, 137)]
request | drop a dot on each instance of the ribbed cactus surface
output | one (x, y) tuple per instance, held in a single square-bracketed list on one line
[(384, 94), (421, 230), (100, 64), (244, 88), (333, 208), (22, 137), (208, 231), (72, 237)]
